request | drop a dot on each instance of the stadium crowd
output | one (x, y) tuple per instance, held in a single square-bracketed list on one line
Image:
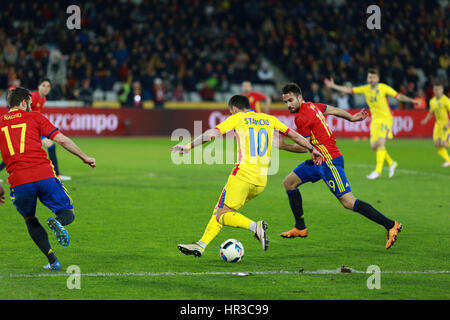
[(206, 46)]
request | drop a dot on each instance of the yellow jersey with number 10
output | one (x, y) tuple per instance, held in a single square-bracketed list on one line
[(254, 135), (377, 99)]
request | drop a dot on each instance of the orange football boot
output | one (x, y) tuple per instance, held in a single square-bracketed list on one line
[(392, 234), (294, 233)]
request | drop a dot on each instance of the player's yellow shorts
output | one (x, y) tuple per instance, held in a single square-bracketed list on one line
[(237, 192), (440, 133), (381, 128)]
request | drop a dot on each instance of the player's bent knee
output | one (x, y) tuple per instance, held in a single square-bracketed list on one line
[(439, 144), (290, 183), (348, 201), (222, 211), (348, 205), (65, 216)]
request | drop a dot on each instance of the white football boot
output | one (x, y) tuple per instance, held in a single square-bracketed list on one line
[(261, 235), (392, 169), (373, 175), (193, 248)]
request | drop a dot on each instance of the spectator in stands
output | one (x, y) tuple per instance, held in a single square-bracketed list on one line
[(410, 92), (85, 93), (315, 93), (107, 81), (57, 71), (423, 101), (159, 94), (305, 37), (444, 61), (190, 81), (224, 85), (344, 101), (265, 74), (10, 53), (213, 81), (206, 92), (135, 97), (178, 93), (124, 92)]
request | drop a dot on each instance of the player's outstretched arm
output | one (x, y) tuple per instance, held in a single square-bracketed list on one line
[(330, 84), (360, 116), (316, 156), (402, 98), (70, 146), (427, 118), (208, 135)]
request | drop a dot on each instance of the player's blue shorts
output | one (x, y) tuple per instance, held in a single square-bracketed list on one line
[(331, 172), (50, 192)]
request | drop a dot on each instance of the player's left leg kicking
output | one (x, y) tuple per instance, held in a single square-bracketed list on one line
[(235, 194), (332, 173), (55, 197), (52, 194)]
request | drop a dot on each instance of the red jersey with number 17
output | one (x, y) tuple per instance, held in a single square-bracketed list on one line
[(311, 122), (37, 102), (21, 146)]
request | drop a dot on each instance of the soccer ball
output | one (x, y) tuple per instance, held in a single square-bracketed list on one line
[(231, 250)]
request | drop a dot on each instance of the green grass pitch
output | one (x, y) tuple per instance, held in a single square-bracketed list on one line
[(136, 206)]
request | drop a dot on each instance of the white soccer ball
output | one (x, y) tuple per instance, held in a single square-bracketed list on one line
[(231, 250)]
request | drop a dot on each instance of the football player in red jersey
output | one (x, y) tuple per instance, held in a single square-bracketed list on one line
[(311, 123), (255, 98), (31, 174), (38, 99)]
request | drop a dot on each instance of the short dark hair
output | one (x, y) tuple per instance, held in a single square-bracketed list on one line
[(17, 95), (438, 84), (239, 101), (44, 80), (373, 71), (292, 87)]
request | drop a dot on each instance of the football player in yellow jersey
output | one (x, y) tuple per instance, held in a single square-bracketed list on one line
[(376, 94), (254, 135), (440, 108)]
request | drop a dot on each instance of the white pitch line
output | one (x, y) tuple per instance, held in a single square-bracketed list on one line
[(415, 172), (156, 274)]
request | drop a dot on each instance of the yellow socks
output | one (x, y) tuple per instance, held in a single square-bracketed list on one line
[(211, 231), (443, 153), (381, 154), (235, 219), (231, 219), (387, 158)]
